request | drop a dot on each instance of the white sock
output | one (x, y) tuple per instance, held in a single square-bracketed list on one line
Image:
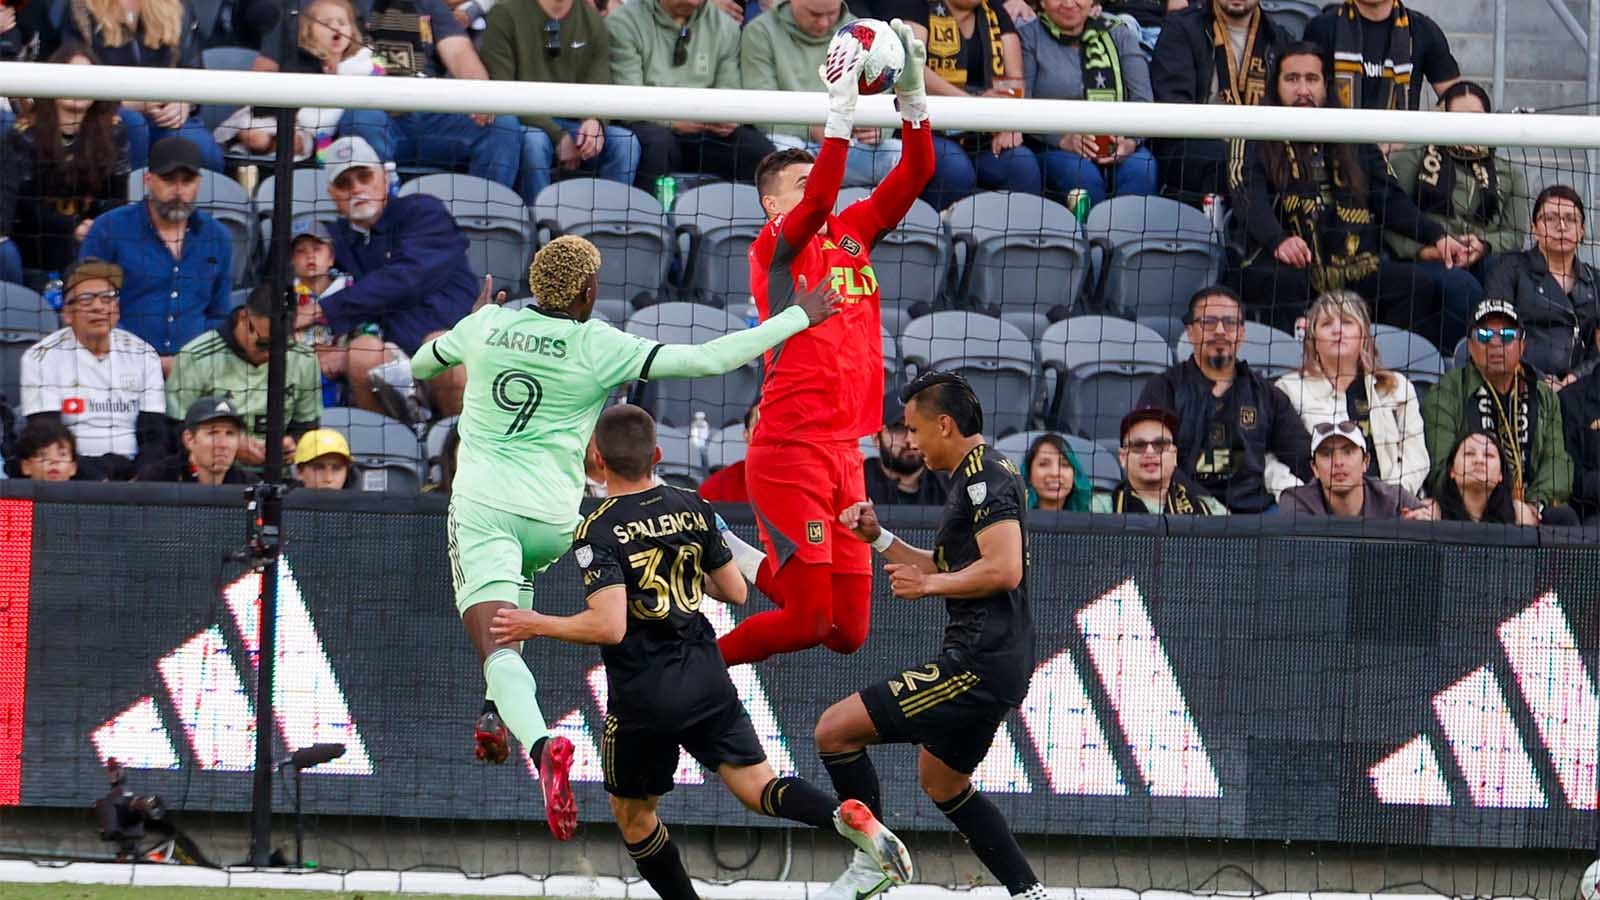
[(746, 557)]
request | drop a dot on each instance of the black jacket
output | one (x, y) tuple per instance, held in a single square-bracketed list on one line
[(1184, 62), (175, 469), (1560, 328), (1580, 420), (1267, 423)]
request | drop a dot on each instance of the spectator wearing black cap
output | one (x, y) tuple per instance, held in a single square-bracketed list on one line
[(1238, 436), (231, 362), (1502, 395), (101, 382), (1152, 481), (177, 262), (1342, 486), (212, 430), (900, 476), (46, 451)]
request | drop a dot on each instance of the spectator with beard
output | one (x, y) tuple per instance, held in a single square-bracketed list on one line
[(1314, 217), (899, 477), (726, 485), (1152, 483), (1342, 486), (1477, 488), (1056, 481), (1239, 437), (176, 261)]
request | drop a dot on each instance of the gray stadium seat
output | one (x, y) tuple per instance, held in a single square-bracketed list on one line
[(1104, 470), (385, 451), (911, 262), (1169, 327), (892, 366), (24, 320), (310, 198), (492, 217), (1461, 356), (726, 447), (995, 356), (1156, 252), (721, 220), (1020, 252), (723, 400), (678, 464), (433, 444), (1412, 355), (226, 201), (627, 224), (1291, 15), (236, 59), (1101, 365), (1266, 349)]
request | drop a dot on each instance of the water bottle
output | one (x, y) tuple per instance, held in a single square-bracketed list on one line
[(699, 437), (53, 292), (1215, 211), (666, 192), (752, 316)]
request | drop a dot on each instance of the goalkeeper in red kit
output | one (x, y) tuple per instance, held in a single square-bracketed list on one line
[(823, 388)]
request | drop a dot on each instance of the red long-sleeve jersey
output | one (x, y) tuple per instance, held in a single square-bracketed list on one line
[(825, 384)]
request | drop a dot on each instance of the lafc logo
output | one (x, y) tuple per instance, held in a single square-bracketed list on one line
[(814, 532), (850, 246)]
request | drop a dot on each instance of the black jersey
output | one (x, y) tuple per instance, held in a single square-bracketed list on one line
[(993, 635), (658, 544)]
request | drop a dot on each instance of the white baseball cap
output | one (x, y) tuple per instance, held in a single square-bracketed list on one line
[(1342, 428), (349, 153)]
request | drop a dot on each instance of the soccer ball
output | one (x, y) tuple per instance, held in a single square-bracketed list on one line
[(1589, 885), (882, 54)]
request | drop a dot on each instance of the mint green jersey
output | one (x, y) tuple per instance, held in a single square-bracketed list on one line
[(536, 383)]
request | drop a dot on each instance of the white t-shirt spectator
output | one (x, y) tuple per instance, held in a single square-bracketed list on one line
[(99, 398)]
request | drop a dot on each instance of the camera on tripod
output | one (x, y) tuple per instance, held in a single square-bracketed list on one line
[(139, 824)]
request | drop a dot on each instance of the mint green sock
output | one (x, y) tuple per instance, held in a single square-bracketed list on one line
[(514, 692)]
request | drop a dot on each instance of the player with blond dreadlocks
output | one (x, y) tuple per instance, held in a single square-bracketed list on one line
[(536, 381)]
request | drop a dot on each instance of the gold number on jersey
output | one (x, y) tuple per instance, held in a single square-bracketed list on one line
[(681, 585)]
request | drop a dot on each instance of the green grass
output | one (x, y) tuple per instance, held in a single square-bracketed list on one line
[(114, 892)]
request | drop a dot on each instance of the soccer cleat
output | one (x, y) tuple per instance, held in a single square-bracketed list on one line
[(560, 807), (492, 738), (859, 826), (860, 880)]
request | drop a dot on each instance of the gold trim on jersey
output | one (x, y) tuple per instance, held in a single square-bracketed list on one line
[(583, 528), (974, 461), (608, 750), (959, 684)]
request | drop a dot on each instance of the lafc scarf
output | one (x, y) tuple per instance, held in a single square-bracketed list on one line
[(1436, 182), (1183, 499), (1097, 52), (1512, 422), (944, 44), (1240, 82), (1340, 230), (1349, 59)]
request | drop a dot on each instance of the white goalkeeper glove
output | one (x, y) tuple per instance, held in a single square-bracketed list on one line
[(841, 73), (910, 88)]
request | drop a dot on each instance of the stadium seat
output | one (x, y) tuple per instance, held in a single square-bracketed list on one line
[(1019, 252), (1154, 253), (726, 447), (1266, 349), (678, 465), (1461, 356), (24, 320), (1104, 470), (995, 356), (1169, 327), (226, 201), (723, 400), (720, 220), (1412, 355), (385, 451), (913, 260), (1101, 365), (892, 366), (1032, 324), (433, 445), (492, 217), (1292, 15), (627, 224), (310, 193), (234, 59)]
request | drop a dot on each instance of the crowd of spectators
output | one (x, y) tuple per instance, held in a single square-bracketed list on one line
[(160, 371)]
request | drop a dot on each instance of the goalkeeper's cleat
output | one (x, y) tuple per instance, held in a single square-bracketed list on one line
[(859, 826), (492, 738), (560, 807), (860, 880)]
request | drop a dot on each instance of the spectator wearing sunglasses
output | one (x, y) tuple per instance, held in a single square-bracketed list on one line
[(687, 44), (1238, 436), (565, 42), (231, 363), (99, 381), (1501, 394), (1152, 482), (1556, 295), (1342, 486)]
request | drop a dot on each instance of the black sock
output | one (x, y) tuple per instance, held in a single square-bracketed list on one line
[(658, 861), (489, 707), (990, 838), (537, 750), (854, 778), (798, 800)]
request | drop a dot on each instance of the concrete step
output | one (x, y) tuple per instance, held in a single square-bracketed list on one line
[(1547, 59)]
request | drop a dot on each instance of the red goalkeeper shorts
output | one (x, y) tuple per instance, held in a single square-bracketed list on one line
[(798, 491)]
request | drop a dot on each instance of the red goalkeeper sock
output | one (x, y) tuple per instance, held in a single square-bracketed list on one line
[(805, 619), (852, 612)]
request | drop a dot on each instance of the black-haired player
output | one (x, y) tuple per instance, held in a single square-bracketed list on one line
[(646, 553), (953, 704)]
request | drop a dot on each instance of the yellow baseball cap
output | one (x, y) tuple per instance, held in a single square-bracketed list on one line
[(320, 442)]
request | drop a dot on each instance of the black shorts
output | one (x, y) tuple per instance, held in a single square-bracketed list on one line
[(948, 709), (640, 762)]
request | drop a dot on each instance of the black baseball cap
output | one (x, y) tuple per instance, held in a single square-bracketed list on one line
[(1149, 414), (894, 412), (210, 409), (172, 153)]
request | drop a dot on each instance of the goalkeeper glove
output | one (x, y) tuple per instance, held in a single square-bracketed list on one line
[(841, 72), (910, 87)]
